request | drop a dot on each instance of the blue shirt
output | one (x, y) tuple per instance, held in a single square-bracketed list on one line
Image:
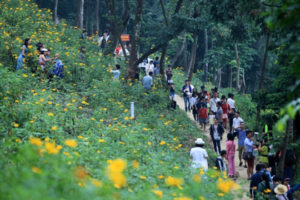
[(248, 145), (242, 137), (147, 82), (116, 74)]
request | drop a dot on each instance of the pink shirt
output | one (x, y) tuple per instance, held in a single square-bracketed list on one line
[(230, 147)]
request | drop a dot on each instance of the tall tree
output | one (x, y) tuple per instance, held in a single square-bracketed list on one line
[(193, 57), (135, 40), (97, 16), (55, 12), (80, 14), (205, 52)]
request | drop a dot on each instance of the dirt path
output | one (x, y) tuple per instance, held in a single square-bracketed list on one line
[(242, 180)]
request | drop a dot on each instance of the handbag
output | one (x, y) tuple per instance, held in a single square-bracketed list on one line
[(247, 156)]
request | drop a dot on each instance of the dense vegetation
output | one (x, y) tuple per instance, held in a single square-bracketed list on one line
[(73, 138)]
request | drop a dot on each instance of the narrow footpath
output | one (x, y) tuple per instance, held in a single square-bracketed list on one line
[(242, 172)]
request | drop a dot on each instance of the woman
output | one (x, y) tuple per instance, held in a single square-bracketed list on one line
[(264, 187), (23, 53), (281, 192), (226, 109), (216, 132), (230, 149), (199, 155), (193, 101), (248, 154), (263, 152)]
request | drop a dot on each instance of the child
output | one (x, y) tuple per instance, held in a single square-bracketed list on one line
[(58, 67), (220, 161), (23, 53), (42, 59), (116, 72), (172, 91), (203, 116), (211, 118)]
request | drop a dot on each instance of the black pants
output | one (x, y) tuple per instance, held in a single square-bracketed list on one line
[(230, 117)]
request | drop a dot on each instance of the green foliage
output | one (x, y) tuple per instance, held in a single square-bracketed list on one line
[(38, 118)]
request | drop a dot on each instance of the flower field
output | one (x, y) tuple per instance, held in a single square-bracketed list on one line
[(73, 138)]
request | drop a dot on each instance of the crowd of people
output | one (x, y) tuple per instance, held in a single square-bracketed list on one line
[(44, 60), (222, 116)]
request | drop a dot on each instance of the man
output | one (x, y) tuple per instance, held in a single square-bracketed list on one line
[(213, 102), (216, 133), (199, 155), (187, 92), (169, 73), (255, 180), (249, 152), (147, 81), (219, 113), (103, 40), (156, 66), (221, 162), (232, 110), (237, 121), (116, 72), (241, 133), (150, 67)]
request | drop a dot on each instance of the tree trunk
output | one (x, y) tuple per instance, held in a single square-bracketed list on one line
[(237, 67), (97, 17), (135, 39), (219, 77), (179, 51), (162, 62), (87, 20), (80, 14), (264, 65), (289, 132), (55, 12), (205, 52), (193, 57), (230, 78)]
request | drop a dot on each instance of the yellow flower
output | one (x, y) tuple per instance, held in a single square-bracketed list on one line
[(16, 125), (143, 177), (49, 102), (36, 170), (197, 178), (162, 143), (101, 140), (135, 164), (158, 193), (220, 194), (267, 191), (115, 172), (42, 100), (96, 183), (149, 143), (25, 75), (50, 114), (18, 140), (226, 185), (160, 177), (51, 148), (182, 198), (81, 172), (70, 143), (175, 182), (36, 141), (54, 128)]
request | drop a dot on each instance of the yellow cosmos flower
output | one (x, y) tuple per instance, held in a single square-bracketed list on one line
[(96, 183), (174, 182), (36, 170), (115, 172), (158, 193), (70, 143), (54, 128), (50, 114), (35, 141), (135, 164), (143, 177), (51, 148)]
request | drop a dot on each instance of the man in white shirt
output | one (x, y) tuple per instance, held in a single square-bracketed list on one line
[(150, 67), (231, 103), (237, 121), (213, 103), (199, 155)]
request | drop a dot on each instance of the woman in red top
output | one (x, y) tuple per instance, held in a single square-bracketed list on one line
[(230, 149), (226, 109)]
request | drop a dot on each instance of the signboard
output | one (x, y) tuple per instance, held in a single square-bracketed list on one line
[(125, 38)]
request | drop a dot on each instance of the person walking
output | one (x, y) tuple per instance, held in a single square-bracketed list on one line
[(232, 110), (216, 133), (147, 81), (248, 155), (202, 116), (213, 102), (226, 110), (199, 155), (221, 162), (219, 113), (237, 121), (187, 92), (264, 187), (230, 149), (241, 142), (23, 53)]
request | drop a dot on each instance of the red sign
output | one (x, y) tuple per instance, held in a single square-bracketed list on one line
[(125, 38)]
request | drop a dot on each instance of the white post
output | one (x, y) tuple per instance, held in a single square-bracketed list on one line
[(132, 110)]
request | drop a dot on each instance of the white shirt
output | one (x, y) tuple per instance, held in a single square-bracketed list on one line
[(213, 104), (237, 122), (199, 156), (231, 102), (149, 68), (193, 100)]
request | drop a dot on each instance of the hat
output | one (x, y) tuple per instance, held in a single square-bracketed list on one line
[(44, 49), (280, 189), (199, 141)]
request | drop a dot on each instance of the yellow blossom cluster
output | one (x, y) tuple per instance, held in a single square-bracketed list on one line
[(115, 172)]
